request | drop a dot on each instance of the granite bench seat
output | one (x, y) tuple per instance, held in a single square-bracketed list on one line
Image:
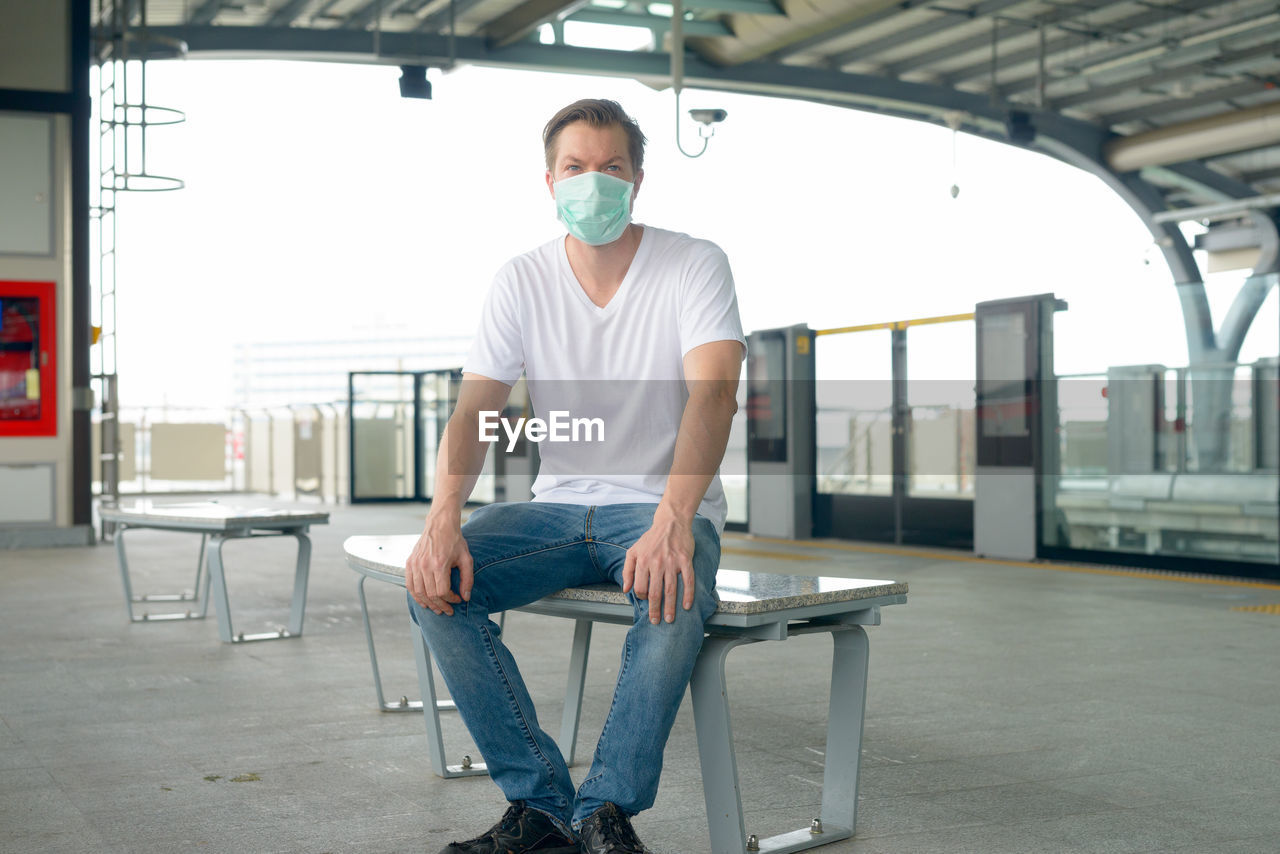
[(754, 606)]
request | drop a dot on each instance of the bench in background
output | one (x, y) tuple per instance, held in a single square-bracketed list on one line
[(216, 524)]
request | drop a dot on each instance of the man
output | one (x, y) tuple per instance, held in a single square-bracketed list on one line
[(637, 328)]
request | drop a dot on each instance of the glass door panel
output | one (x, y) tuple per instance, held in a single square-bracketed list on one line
[(854, 414), (940, 422)]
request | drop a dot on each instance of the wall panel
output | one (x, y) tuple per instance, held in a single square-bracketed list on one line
[(26, 184), (35, 45)]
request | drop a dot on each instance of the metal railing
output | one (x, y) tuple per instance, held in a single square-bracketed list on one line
[(1145, 469), (296, 451), (1143, 419)]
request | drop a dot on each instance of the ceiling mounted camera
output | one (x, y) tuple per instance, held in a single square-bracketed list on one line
[(708, 117)]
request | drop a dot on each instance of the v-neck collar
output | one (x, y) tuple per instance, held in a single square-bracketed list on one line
[(619, 296)]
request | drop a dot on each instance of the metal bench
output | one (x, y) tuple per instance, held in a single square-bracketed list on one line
[(216, 524), (754, 606)]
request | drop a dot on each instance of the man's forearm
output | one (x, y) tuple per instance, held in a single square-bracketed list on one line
[(458, 463), (700, 446)]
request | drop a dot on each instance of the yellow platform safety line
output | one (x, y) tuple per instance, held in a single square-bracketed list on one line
[(896, 324), (733, 550), (1159, 575), (1273, 608)]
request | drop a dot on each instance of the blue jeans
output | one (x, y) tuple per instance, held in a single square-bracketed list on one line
[(523, 552)]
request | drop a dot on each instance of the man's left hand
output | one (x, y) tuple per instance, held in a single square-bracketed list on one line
[(657, 560)]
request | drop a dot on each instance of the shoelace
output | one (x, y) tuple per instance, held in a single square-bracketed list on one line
[(511, 818), (615, 824)]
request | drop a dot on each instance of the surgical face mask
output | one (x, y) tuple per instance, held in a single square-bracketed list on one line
[(595, 207)]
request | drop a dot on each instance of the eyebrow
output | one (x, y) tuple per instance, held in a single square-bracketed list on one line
[(569, 158)]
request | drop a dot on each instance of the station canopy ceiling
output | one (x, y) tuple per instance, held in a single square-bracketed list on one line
[(1201, 72)]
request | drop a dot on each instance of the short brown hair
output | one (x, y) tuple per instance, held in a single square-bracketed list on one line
[(597, 113)]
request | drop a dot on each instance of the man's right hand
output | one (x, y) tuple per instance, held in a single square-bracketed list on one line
[(428, 571)]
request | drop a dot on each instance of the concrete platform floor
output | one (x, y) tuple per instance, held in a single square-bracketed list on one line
[(1012, 708)]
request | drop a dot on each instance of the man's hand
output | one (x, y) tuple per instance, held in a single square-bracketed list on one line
[(428, 571), (657, 559)]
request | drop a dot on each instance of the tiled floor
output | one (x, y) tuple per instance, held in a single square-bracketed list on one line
[(1012, 708)]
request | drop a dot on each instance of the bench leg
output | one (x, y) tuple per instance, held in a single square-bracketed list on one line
[(573, 693), (431, 715), (297, 609), (193, 596), (844, 746), (404, 704), (715, 746), (844, 730), (301, 574)]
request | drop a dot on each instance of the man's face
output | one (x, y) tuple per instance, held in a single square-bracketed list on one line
[(582, 148)]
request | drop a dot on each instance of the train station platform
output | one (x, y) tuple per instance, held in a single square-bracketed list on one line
[(1012, 707)]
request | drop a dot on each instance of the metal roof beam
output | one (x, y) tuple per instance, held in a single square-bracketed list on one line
[(982, 41), (1164, 75), (739, 7), (1198, 179), (1161, 52), (287, 14), (1054, 19), (132, 11), (1191, 30), (205, 12), (655, 23), (1261, 175), (1220, 210), (439, 19), (1166, 105), (817, 35), (947, 18), (519, 22), (362, 17)]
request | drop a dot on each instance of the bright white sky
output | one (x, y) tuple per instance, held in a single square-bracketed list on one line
[(318, 203)]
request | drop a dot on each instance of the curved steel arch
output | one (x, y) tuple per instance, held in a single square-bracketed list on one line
[(1074, 141)]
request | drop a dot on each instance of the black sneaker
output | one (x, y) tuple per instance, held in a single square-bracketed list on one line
[(608, 831), (520, 829)]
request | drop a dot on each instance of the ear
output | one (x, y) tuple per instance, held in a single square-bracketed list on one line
[(636, 185), (551, 184)]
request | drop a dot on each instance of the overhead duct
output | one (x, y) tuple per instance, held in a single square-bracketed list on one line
[(1226, 133)]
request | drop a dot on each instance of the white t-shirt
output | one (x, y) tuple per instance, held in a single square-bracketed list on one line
[(621, 364)]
